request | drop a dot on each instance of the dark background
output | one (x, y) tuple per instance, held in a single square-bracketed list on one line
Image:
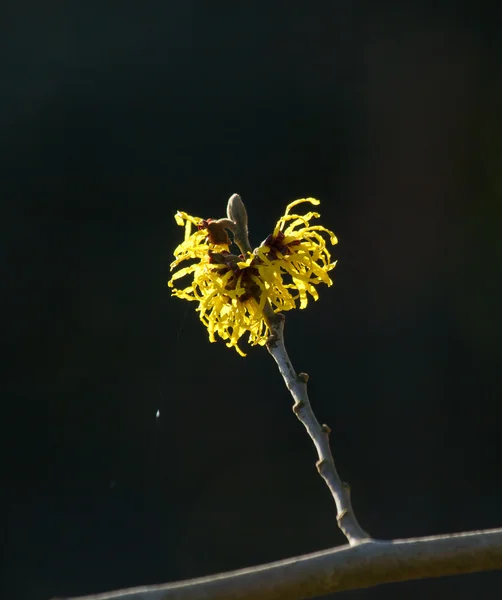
[(113, 116)]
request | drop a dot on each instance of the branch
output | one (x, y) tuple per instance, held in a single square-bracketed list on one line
[(297, 385), (340, 569), (364, 562)]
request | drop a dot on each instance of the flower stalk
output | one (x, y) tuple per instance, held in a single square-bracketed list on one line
[(297, 386)]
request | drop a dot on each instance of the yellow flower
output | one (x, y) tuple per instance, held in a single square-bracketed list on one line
[(195, 245), (230, 296), (232, 291), (227, 288), (297, 250)]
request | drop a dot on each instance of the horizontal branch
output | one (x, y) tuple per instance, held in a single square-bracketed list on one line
[(339, 569)]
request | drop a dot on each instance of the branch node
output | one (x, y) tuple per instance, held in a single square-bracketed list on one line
[(326, 429), (272, 341), (303, 377), (341, 515), (297, 406), (320, 464)]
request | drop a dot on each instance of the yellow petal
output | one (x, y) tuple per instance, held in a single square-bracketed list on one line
[(300, 201)]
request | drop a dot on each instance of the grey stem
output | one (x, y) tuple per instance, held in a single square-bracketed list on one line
[(297, 385)]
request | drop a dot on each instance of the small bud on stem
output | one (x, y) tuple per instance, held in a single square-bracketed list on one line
[(236, 212)]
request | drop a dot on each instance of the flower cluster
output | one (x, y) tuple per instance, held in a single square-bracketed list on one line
[(232, 291)]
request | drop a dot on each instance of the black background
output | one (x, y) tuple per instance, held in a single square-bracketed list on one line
[(113, 116)]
